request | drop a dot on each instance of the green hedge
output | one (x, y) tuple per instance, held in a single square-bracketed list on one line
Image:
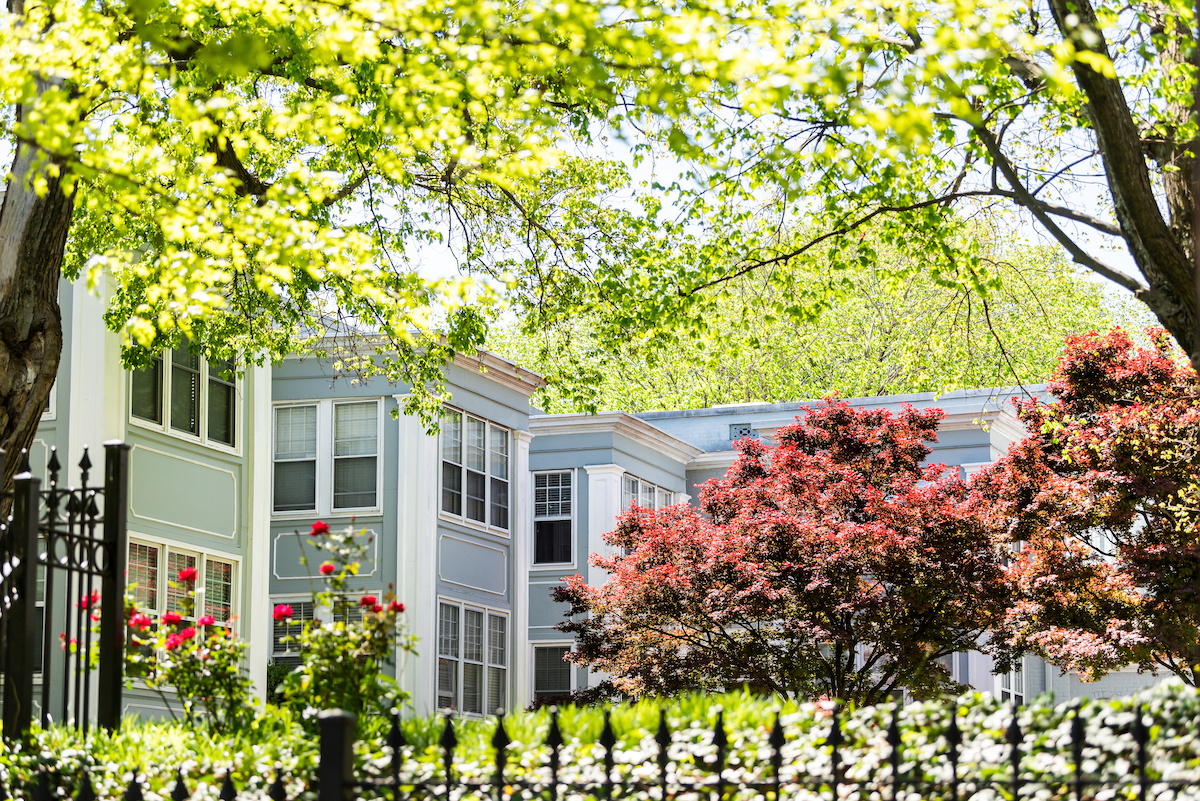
[(278, 743)]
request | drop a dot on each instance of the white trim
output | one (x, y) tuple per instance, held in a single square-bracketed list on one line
[(51, 410), (714, 460), (626, 425), (176, 524), (522, 554), (258, 548), (533, 520), (501, 371), (280, 534)]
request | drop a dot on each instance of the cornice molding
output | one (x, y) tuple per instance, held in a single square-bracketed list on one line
[(621, 423), (713, 460)]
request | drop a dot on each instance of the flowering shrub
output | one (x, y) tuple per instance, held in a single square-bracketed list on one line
[(342, 658), (200, 660)]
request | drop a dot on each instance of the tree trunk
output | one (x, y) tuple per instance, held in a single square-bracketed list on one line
[(33, 237)]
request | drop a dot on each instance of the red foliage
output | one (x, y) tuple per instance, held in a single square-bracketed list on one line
[(834, 564), (1104, 495)]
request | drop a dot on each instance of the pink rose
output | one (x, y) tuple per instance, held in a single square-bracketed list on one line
[(320, 527), (173, 641), (377, 608), (187, 633), (327, 569), (368, 600), (283, 612), (140, 621), (207, 620), (188, 574), (171, 618), (396, 606)]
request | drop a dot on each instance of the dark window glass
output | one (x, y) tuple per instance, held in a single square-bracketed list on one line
[(222, 402), (551, 675), (185, 390), (147, 392), (451, 488), (295, 486), (552, 541)]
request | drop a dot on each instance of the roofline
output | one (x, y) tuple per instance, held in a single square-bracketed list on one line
[(621, 423)]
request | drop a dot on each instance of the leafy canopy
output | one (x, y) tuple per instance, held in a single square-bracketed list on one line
[(868, 333), (1104, 495), (834, 564)]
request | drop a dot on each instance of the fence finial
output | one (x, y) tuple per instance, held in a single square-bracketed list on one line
[(228, 791), (277, 792), (86, 791), (180, 791), (134, 791)]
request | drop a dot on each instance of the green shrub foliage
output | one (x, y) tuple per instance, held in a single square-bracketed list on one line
[(277, 744)]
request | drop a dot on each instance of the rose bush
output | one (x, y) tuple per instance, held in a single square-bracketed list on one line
[(345, 650)]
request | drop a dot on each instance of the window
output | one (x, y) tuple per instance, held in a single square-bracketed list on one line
[(551, 673), (475, 469), (472, 659), (326, 457), (153, 570), (1012, 686), (739, 430), (285, 644), (552, 497), (179, 376), (644, 494)]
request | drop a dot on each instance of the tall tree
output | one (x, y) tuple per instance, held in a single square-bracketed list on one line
[(865, 334), (834, 564), (252, 174), (909, 116), (1104, 497)]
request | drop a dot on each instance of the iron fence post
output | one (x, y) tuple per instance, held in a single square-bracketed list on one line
[(112, 585), (336, 770), (22, 634)]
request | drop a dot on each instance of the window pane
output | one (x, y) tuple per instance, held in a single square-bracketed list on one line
[(497, 640), (301, 611), (552, 495), (473, 635), (664, 499), (185, 391), (355, 429), (496, 692), (629, 492), (476, 486), (143, 571), (218, 589), (295, 486), (147, 392), (176, 589), (476, 433), (447, 684), (472, 701), (552, 541), (499, 503), (452, 437), (499, 453), (551, 675), (647, 496), (296, 432), (354, 482), (451, 488), (448, 631), (221, 407)]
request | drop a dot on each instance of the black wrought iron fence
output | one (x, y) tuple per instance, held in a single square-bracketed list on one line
[(1080, 757), (62, 572)]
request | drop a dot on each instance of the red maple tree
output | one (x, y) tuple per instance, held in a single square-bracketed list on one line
[(1103, 497), (834, 564)]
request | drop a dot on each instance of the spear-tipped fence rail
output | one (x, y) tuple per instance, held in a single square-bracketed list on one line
[(713, 773), (76, 536)]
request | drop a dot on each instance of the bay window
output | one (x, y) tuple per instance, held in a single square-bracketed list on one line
[(475, 469), (636, 491), (153, 575), (472, 648), (182, 393)]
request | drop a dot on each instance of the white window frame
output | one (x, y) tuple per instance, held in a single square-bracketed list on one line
[(460, 660), (202, 557), (1006, 682), (325, 458), (164, 400), (462, 519), (51, 410), (672, 497), (533, 647), (573, 517)]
